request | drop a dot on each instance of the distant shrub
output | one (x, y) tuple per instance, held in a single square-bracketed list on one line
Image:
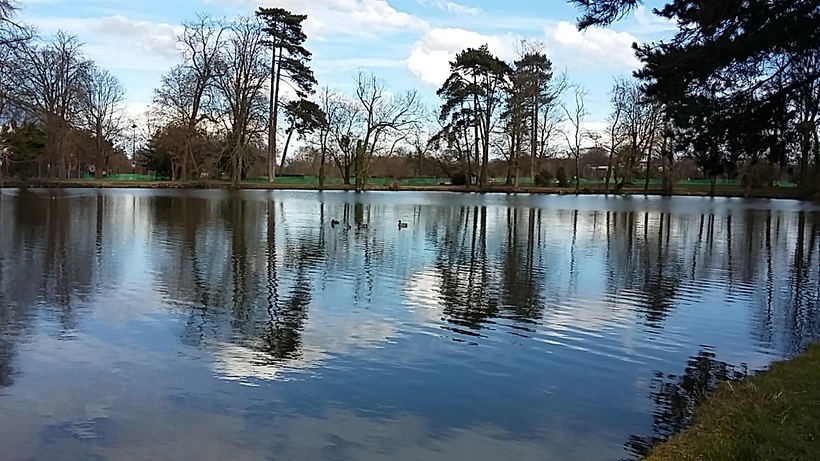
[(757, 176), (561, 176), (544, 178), (458, 179)]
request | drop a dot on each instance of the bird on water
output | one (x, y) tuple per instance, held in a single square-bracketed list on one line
[(402, 225)]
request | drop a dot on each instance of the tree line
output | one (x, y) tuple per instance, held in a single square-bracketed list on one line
[(58, 108), (736, 86), (244, 103)]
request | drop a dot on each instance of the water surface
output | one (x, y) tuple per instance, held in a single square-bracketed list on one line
[(217, 325)]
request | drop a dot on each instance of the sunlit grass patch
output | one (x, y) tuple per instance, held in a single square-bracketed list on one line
[(773, 416)]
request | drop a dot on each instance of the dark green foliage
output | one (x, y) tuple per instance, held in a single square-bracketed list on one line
[(739, 79), (458, 179), (303, 117), (527, 92), (544, 178), (289, 63), (25, 146), (156, 159), (562, 177), (472, 96), (603, 12), (286, 40)]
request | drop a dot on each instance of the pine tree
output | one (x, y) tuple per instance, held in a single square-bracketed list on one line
[(477, 79), (289, 60)]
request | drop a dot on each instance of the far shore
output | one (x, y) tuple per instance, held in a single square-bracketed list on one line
[(703, 191)]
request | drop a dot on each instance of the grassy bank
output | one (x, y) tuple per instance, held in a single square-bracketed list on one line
[(773, 416), (693, 189)]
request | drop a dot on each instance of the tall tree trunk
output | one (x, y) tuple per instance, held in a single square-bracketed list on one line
[(608, 170), (98, 158), (285, 151), (577, 172), (322, 169), (533, 137), (475, 126), (465, 160), (359, 160), (273, 108), (666, 158), (485, 159), (237, 167), (646, 173), (805, 128)]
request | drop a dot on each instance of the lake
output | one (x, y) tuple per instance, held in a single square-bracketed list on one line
[(215, 325)]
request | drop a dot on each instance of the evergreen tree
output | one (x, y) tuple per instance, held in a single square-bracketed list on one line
[(303, 117), (746, 64), (289, 60), (477, 80)]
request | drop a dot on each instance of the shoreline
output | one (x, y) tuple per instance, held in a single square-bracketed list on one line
[(693, 191), (772, 415)]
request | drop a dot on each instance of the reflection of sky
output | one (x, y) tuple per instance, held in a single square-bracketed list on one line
[(158, 367)]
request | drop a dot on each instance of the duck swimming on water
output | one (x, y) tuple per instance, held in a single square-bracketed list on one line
[(402, 225), (334, 223)]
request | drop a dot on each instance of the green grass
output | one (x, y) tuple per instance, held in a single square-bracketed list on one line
[(773, 416)]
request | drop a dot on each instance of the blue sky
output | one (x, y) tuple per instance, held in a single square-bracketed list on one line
[(408, 43)]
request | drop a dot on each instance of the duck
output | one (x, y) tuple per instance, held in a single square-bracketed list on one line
[(334, 223), (402, 225), (361, 226)]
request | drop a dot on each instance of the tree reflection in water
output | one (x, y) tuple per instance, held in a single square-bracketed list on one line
[(676, 396), (255, 276)]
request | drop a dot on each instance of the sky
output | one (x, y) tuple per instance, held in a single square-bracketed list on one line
[(406, 43)]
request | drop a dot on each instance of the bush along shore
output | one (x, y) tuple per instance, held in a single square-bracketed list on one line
[(772, 416)]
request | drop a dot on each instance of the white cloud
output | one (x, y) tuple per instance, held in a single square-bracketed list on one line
[(596, 47), (650, 23), (153, 38), (456, 8), (238, 362), (430, 57), (149, 38), (452, 7), (346, 17)]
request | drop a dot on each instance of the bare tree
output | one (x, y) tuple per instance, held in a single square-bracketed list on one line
[(576, 112), (618, 98), (551, 116), (240, 79), (639, 122), (102, 114), (345, 120), (12, 33), (187, 90), (329, 103), (50, 80), (388, 121), (420, 142)]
